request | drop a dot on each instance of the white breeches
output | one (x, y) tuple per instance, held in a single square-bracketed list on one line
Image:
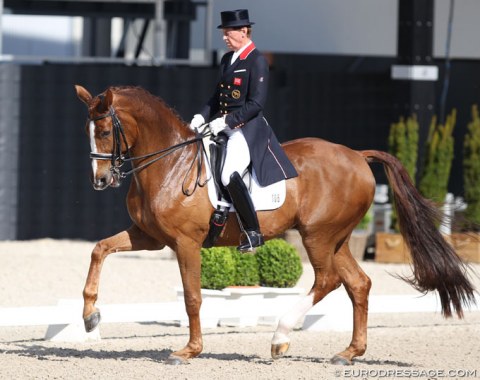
[(238, 155)]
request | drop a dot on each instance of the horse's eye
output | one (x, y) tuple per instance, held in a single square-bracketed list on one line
[(105, 134)]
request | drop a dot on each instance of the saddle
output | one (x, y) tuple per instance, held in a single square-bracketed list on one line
[(264, 198)]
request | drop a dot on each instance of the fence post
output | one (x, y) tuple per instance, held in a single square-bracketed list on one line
[(9, 149)]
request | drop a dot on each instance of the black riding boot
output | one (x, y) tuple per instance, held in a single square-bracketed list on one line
[(246, 211)]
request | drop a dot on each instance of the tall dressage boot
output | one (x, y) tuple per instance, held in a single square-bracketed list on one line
[(246, 211)]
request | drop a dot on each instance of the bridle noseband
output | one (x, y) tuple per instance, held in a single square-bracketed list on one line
[(118, 158)]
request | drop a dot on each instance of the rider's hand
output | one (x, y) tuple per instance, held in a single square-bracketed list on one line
[(217, 125), (196, 122)]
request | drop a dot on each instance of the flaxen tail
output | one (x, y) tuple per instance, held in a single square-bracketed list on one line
[(436, 266)]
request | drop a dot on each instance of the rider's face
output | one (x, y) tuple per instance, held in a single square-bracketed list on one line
[(234, 38)]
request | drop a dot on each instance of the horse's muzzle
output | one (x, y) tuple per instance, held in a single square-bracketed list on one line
[(101, 183), (109, 180)]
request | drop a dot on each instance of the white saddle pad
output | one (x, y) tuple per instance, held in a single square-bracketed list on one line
[(264, 197)]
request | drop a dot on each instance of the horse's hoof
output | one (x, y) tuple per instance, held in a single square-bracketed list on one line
[(92, 321), (278, 350), (340, 360), (175, 360)]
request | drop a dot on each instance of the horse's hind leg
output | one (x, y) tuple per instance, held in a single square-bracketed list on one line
[(326, 280), (131, 239), (357, 284)]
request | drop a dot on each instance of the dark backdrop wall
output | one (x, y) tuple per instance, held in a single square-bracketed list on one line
[(346, 100)]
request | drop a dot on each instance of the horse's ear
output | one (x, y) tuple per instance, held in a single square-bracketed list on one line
[(108, 98), (83, 94), (104, 101)]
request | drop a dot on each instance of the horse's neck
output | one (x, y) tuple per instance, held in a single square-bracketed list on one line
[(159, 130)]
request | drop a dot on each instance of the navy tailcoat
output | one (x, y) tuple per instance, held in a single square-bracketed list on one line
[(241, 95)]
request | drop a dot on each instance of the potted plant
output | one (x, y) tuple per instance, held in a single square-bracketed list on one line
[(218, 268), (433, 184), (279, 264), (471, 168), (246, 269), (218, 272), (228, 275), (280, 268), (438, 159), (358, 239), (403, 144), (467, 245)]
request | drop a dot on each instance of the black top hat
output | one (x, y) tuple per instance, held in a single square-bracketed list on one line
[(235, 19)]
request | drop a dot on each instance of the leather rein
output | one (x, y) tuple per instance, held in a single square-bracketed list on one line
[(118, 158)]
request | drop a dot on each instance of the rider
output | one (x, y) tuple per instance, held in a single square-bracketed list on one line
[(236, 110)]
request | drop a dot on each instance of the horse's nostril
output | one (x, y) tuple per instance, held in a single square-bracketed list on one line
[(100, 183)]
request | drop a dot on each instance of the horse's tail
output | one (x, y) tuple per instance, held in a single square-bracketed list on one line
[(436, 266)]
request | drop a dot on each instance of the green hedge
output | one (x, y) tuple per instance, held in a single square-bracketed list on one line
[(279, 264), (438, 159), (218, 268), (276, 264), (471, 168), (246, 269)]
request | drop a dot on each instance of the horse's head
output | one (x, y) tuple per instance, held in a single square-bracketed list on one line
[(108, 138)]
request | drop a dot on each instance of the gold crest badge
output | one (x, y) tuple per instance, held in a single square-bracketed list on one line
[(236, 94)]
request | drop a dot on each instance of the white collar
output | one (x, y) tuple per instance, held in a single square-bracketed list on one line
[(238, 52)]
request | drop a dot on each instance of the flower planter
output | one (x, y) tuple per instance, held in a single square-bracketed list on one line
[(390, 247), (358, 244), (283, 298), (467, 246), (246, 298), (243, 306), (211, 300)]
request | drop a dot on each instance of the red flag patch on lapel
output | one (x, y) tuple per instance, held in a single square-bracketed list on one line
[(237, 81)]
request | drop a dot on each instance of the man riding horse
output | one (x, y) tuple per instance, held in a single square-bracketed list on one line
[(236, 111)]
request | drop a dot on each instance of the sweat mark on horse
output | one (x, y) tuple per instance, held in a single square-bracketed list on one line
[(333, 191)]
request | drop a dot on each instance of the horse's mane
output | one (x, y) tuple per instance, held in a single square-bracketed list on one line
[(173, 111)]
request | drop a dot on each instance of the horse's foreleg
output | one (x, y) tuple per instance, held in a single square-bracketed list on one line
[(326, 280), (357, 284), (131, 239), (189, 261)]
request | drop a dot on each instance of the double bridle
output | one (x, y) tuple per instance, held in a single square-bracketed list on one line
[(118, 158)]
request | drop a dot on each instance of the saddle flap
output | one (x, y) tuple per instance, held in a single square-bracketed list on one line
[(264, 197)]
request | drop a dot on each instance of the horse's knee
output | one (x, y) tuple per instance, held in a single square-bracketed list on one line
[(192, 303), (361, 288), (365, 284), (99, 251)]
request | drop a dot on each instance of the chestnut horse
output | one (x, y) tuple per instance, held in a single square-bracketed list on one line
[(334, 189)]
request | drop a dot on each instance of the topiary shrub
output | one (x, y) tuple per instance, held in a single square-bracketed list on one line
[(471, 168), (279, 264), (403, 144), (218, 268), (438, 160), (246, 269)]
